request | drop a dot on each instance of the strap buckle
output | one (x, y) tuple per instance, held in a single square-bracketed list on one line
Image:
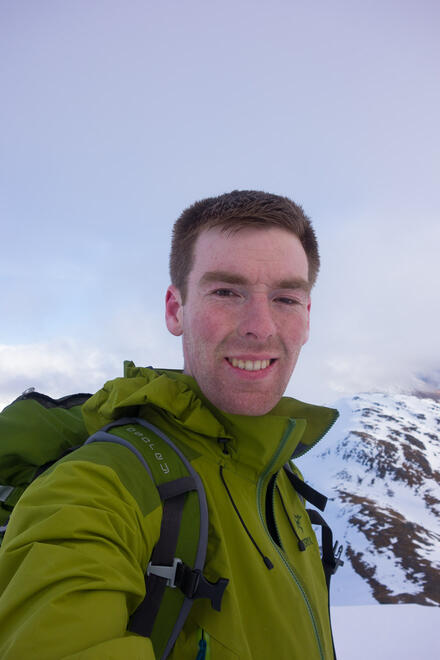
[(167, 572), (337, 552), (191, 582)]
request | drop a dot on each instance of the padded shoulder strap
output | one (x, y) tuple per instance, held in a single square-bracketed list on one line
[(179, 556)]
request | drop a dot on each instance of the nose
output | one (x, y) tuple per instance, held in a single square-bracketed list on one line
[(257, 319)]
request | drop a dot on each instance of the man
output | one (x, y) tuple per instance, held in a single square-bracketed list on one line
[(242, 267)]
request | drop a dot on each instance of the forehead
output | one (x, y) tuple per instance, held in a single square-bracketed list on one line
[(269, 254)]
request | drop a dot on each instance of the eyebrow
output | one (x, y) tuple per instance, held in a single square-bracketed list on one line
[(233, 278)]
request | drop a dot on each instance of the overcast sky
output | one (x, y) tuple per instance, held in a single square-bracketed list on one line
[(115, 115)]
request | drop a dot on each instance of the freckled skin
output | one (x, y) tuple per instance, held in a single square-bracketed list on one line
[(248, 313)]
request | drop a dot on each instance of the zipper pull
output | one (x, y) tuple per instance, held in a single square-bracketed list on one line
[(203, 647), (201, 655)]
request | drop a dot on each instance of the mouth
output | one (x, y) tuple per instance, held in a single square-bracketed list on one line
[(251, 365)]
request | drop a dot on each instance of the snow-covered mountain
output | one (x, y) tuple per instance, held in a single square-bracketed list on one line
[(380, 465)]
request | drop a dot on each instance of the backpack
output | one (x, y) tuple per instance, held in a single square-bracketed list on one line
[(174, 577)]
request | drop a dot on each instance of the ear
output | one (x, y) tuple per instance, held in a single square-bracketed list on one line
[(174, 311), (307, 332)]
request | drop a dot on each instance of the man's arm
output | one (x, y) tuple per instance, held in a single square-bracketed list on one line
[(72, 567)]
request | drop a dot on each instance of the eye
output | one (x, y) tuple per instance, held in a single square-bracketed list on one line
[(296, 298), (224, 293), (287, 301)]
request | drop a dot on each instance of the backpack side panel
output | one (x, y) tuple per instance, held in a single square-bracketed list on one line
[(35, 430)]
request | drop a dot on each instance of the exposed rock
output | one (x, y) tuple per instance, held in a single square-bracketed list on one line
[(381, 465)]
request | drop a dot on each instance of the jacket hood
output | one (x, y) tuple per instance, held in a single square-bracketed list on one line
[(180, 396)]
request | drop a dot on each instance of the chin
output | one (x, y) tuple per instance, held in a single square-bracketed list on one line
[(247, 408)]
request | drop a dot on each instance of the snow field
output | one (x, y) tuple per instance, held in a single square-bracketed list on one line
[(386, 632)]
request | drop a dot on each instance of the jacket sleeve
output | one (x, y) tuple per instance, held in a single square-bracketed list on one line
[(72, 567)]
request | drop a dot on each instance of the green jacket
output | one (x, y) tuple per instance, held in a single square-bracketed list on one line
[(73, 560)]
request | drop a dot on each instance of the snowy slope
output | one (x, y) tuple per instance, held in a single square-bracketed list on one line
[(380, 464), (386, 632)]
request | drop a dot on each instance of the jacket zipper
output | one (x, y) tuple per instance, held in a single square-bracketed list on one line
[(278, 549), (275, 524)]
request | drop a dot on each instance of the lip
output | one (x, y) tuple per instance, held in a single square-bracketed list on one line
[(253, 358)]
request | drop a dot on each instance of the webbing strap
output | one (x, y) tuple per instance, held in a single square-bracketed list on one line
[(143, 619), (176, 487), (5, 491), (309, 493), (331, 553)]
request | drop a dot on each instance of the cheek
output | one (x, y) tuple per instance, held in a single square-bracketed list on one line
[(295, 334), (203, 326)]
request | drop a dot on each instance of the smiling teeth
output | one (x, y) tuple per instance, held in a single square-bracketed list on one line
[(250, 365)]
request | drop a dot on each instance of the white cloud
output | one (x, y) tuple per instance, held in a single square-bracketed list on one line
[(376, 310), (55, 368), (84, 363)]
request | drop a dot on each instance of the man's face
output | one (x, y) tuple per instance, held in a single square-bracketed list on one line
[(245, 318)]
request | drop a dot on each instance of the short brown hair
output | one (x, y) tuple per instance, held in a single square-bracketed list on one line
[(234, 211)]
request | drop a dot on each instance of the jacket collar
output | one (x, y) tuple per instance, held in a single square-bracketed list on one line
[(259, 442)]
